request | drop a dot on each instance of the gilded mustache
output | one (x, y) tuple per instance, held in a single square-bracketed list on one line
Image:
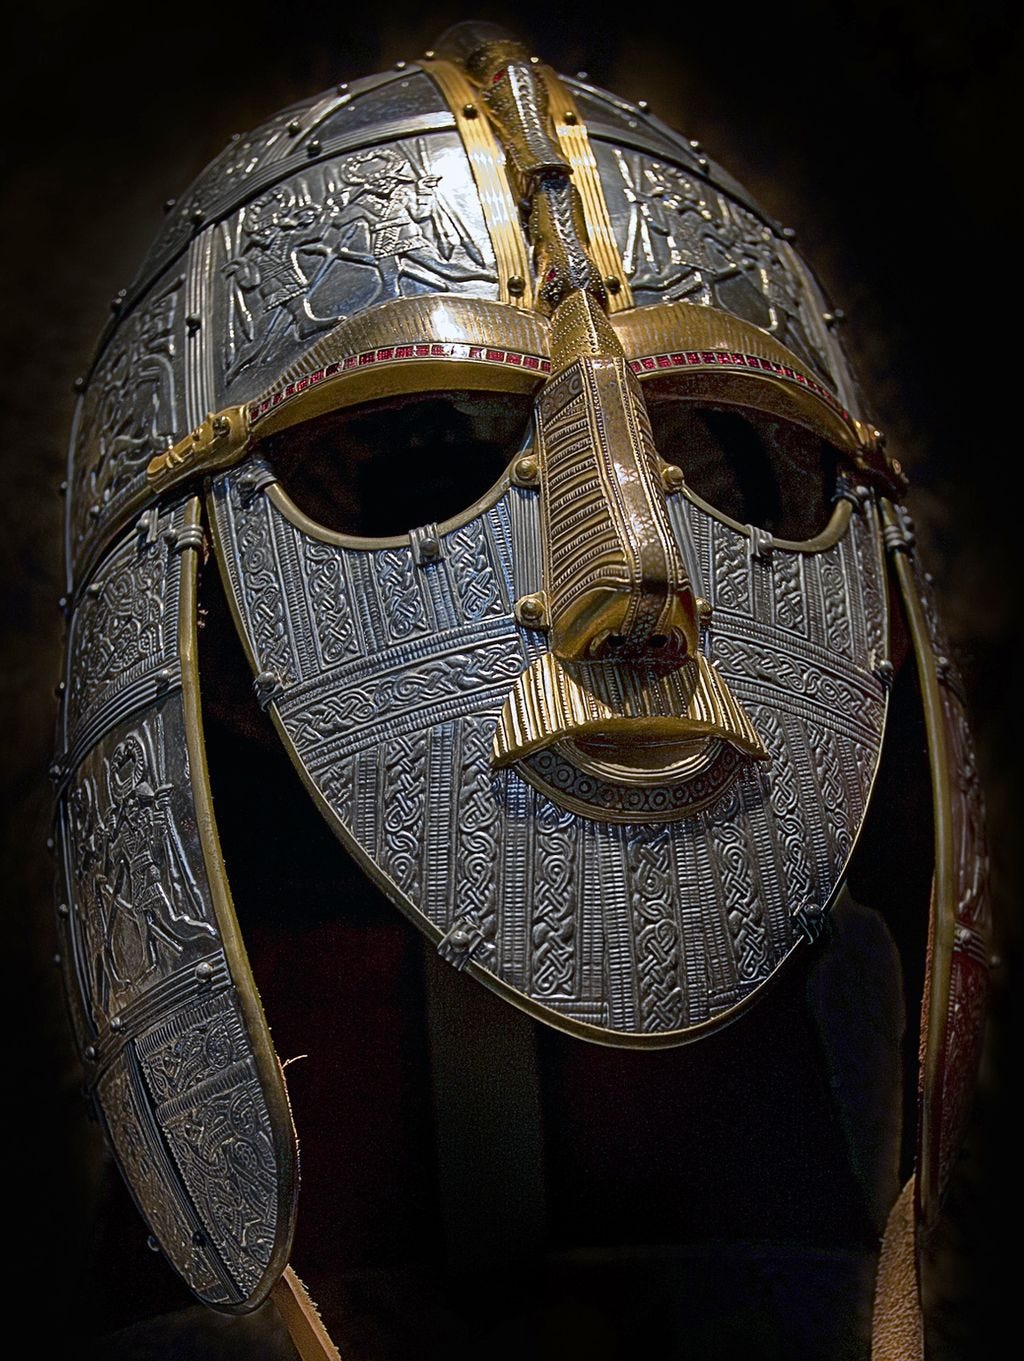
[(551, 702)]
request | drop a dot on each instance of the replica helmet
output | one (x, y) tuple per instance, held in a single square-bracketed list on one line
[(510, 441)]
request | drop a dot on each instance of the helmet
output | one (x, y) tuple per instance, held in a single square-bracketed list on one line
[(504, 441)]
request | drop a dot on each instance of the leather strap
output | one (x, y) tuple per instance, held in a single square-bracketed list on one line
[(305, 1327), (897, 1332)]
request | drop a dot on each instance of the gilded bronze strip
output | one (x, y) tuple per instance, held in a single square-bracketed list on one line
[(575, 143), (487, 161), (268, 1067), (942, 920)]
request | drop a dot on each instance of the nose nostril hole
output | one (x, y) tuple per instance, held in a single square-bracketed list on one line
[(658, 640), (616, 641)]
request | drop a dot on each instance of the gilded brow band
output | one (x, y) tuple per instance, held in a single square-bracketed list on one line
[(433, 336)]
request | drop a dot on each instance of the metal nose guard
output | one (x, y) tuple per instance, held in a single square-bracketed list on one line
[(625, 671), (615, 581)]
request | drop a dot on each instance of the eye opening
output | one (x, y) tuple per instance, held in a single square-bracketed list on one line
[(755, 467), (381, 468)]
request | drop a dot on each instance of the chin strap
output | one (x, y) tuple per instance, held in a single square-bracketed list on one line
[(897, 1332), (299, 1313)]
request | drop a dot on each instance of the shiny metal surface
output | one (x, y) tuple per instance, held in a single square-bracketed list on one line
[(390, 676)]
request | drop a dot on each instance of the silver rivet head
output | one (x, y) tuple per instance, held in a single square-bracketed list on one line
[(516, 286), (204, 971), (672, 478), (116, 1023), (460, 938), (430, 549), (530, 611), (526, 471)]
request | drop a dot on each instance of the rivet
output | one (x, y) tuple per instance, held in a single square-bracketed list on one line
[(963, 935), (704, 609), (789, 233), (294, 128), (94, 588), (62, 604), (643, 105), (116, 1023), (204, 971), (169, 204), (516, 286), (199, 1238), (703, 162), (152, 1244), (570, 118), (62, 489), (582, 75), (401, 65), (342, 87), (469, 111), (313, 147), (530, 611), (197, 215), (526, 471), (56, 960), (885, 671), (79, 385), (50, 843), (430, 549), (460, 938), (63, 910), (672, 478), (613, 283), (163, 678), (694, 144), (430, 54), (95, 511), (55, 772), (90, 1052)]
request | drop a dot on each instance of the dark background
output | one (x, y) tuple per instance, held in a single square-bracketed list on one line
[(888, 135)]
